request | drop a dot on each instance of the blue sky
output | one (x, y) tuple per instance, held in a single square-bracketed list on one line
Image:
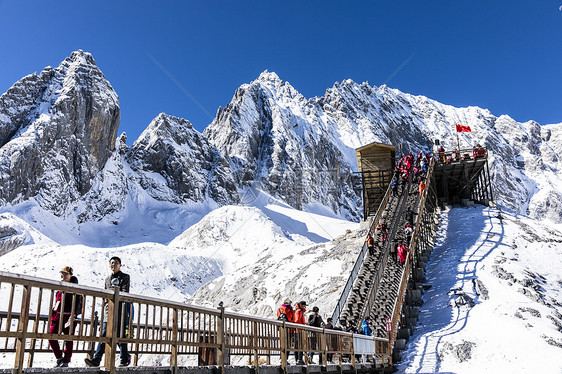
[(502, 55)]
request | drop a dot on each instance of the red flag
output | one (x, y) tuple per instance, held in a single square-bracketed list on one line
[(461, 128)]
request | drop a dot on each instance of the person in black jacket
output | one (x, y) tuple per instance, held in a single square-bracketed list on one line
[(315, 320), (123, 281)]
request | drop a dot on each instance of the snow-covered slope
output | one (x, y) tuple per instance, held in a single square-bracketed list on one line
[(495, 301), (258, 207)]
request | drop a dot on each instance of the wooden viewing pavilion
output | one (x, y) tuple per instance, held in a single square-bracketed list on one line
[(376, 163)]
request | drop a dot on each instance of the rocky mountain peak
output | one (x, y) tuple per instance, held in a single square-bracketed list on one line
[(58, 130), (267, 76), (166, 127), (192, 169)]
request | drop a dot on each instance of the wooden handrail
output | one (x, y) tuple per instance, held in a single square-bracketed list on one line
[(459, 155), (153, 326)]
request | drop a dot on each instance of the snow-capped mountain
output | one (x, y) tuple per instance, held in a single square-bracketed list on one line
[(57, 130), (58, 148), (303, 150), (260, 206), (186, 165)]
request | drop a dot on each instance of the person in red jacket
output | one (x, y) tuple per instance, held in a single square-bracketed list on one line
[(441, 153), (63, 358), (286, 312), (402, 253), (383, 228), (300, 309)]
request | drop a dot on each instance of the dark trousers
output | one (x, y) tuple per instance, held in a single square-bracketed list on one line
[(314, 345), (68, 345), (100, 350)]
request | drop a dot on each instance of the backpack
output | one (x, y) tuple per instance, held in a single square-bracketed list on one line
[(314, 320)]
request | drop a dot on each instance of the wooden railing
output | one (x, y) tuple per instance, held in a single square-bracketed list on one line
[(154, 326), (459, 155)]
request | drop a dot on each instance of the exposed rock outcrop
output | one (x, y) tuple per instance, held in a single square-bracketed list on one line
[(57, 131), (191, 168)]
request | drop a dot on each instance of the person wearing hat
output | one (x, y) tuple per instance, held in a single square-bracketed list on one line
[(63, 358), (300, 319), (286, 312), (123, 281)]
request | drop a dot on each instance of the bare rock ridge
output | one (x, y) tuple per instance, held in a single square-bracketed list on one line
[(59, 146), (57, 130), (191, 168), (274, 140)]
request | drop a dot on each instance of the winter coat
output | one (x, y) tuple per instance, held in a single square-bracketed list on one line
[(124, 281), (315, 320), (124, 285), (402, 253), (299, 315), (287, 311), (67, 303), (422, 186), (365, 328)]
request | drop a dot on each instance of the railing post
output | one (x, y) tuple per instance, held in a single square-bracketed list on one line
[(353, 353), (221, 338), (35, 330), (255, 345), (174, 353), (283, 347), (324, 347), (111, 330), (22, 330)]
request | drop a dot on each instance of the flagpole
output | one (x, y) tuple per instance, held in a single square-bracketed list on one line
[(458, 141)]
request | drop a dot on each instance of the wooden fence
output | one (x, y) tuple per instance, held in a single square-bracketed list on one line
[(154, 326)]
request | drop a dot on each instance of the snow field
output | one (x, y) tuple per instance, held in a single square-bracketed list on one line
[(505, 329)]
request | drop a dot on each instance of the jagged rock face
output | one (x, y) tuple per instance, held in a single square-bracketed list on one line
[(191, 169), (274, 141), (106, 198), (273, 135), (57, 130)]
